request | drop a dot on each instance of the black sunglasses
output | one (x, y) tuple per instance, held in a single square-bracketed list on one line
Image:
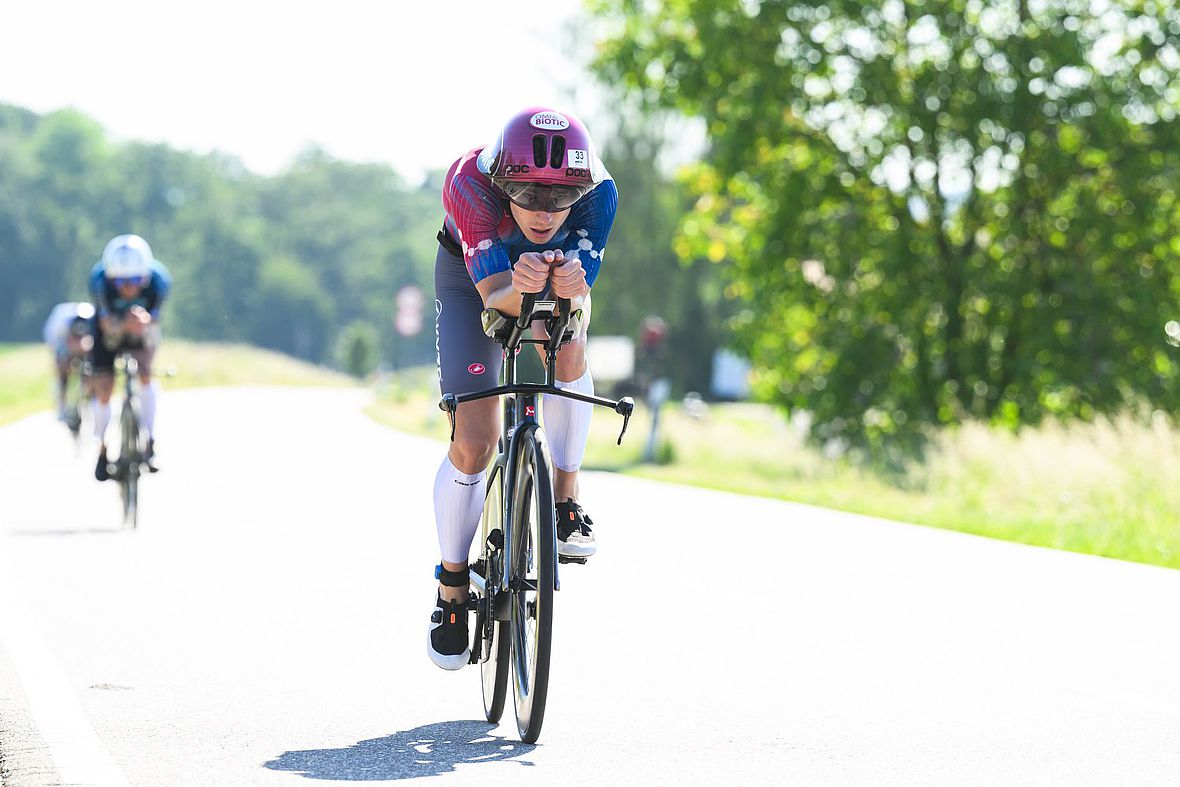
[(542, 196)]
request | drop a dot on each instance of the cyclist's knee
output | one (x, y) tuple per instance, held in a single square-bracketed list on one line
[(103, 386), (472, 448), (571, 359)]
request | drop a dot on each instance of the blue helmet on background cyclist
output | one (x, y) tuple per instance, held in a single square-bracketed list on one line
[(529, 213), (69, 333), (129, 287)]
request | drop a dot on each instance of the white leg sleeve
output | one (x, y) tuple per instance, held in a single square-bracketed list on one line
[(458, 503), (102, 418), (148, 396), (567, 423)]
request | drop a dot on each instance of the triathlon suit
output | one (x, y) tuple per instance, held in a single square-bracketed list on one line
[(107, 301), (56, 332), (479, 238)]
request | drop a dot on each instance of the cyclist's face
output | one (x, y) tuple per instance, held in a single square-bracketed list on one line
[(129, 289), (538, 226)]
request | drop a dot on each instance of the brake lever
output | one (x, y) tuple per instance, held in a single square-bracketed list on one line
[(449, 405), (624, 407)]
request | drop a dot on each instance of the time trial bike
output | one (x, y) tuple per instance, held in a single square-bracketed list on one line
[(515, 576)]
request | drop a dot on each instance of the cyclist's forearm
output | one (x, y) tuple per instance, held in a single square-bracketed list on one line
[(504, 299), (497, 293), (508, 300)]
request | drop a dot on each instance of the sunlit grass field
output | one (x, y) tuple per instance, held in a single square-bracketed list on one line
[(1108, 488), (25, 378), (26, 374)]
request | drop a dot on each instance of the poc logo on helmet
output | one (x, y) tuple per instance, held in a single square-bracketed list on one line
[(549, 121), (511, 168)]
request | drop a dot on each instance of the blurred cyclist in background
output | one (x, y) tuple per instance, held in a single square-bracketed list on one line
[(128, 286), (68, 332), (529, 213)]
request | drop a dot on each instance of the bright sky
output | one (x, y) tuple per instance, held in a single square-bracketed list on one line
[(410, 84)]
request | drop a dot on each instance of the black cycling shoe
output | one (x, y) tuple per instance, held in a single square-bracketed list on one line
[(574, 537), (448, 643), (102, 469), (149, 456)]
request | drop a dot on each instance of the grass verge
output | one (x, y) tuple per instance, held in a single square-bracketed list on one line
[(26, 372), (1107, 488)]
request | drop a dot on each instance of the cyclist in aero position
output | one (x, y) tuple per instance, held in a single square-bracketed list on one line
[(529, 213), (129, 286), (67, 331)]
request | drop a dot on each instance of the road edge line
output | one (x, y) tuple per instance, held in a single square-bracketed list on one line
[(74, 747)]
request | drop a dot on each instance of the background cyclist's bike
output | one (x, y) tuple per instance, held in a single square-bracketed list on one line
[(78, 398), (132, 458), (513, 580)]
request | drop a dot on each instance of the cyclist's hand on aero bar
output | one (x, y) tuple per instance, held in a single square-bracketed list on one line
[(531, 272), (569, 279), (137, 318)]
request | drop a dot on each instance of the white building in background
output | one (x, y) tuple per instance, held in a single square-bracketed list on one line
[(731, 376), (612, 358)]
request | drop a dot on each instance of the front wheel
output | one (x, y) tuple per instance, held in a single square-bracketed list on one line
[(534, 533), (74, 419), (129, 458)]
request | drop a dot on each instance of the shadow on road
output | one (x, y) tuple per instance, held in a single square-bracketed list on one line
[(429, 750)]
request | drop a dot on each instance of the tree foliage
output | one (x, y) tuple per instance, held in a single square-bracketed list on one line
[(310, 259), (286, 262), (644, 276), (935, 210)]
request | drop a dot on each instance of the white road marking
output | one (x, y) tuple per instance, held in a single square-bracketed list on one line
[(77, 752)]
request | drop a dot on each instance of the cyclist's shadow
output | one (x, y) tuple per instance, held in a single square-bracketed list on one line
[(429, 750)]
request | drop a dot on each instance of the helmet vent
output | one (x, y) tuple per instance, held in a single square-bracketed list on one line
[(539, 150), (557, 153)]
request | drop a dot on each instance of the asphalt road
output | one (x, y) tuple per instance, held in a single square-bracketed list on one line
[(266, 625)]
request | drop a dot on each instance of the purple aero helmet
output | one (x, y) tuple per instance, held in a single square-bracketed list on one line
[(543, 159)]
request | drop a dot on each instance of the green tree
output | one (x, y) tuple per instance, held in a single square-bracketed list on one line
[(356, 351), (930, 210), (643, 275), (362, 235), (286, 261)]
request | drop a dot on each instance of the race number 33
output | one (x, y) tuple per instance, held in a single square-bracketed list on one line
[(578, 158)]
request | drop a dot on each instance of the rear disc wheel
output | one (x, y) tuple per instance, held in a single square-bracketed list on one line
[(493, 636)]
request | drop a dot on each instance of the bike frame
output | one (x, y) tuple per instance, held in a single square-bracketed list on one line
[(78, 392), (520, 420), (128, 368)]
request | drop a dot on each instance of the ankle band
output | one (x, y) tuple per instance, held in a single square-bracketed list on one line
[(451, 579)]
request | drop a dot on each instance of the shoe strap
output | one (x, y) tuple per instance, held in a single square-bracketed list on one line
[(452, 579), (569, 511)]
